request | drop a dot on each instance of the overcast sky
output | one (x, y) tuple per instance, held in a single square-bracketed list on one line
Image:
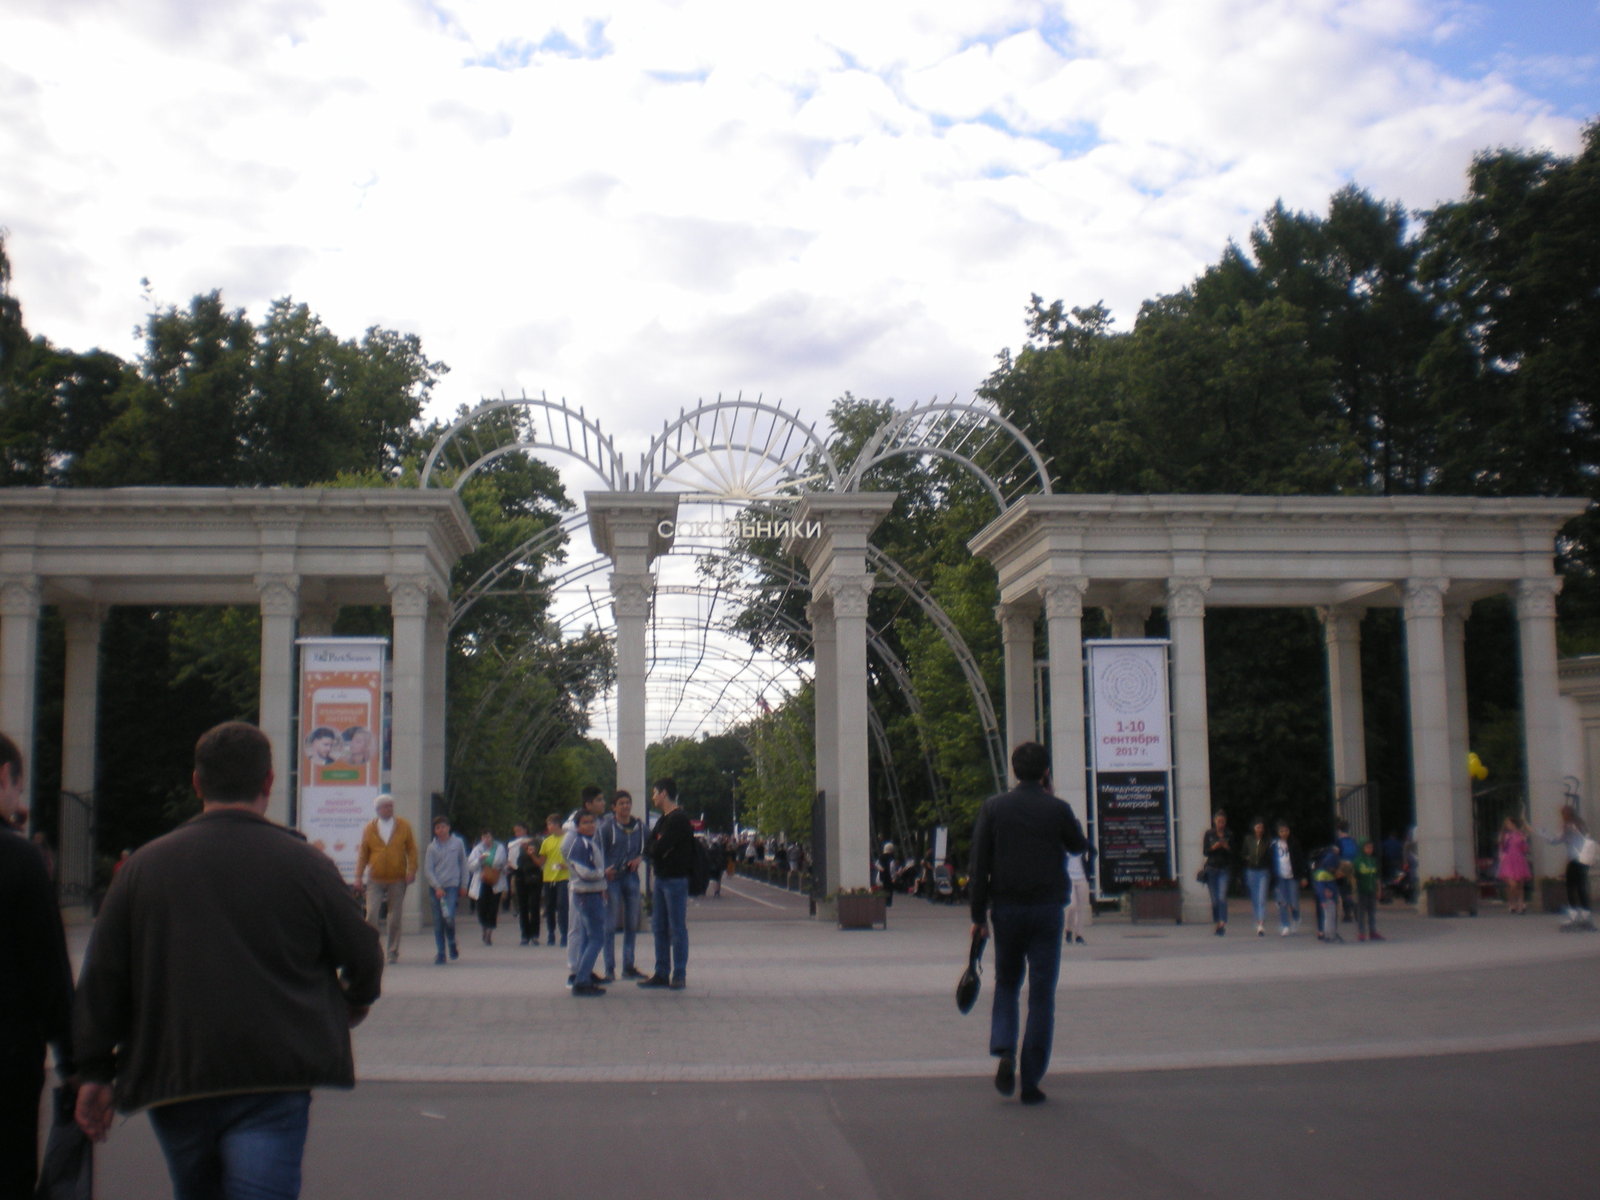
[(638, 205)]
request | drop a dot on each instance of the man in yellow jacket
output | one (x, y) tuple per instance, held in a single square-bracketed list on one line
[(385, 865)]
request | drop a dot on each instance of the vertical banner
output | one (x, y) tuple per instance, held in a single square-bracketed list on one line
[(340, 743), (1130, 730)]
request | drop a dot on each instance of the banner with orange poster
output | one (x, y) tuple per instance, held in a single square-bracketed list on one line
[(340, 744)]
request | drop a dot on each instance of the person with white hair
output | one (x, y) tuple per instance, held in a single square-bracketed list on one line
[(386, 864)]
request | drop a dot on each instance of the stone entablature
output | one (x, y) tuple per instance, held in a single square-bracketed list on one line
[(1274, 551), (165, 546)]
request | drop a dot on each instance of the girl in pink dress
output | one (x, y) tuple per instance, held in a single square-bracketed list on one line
[(1513, 871)]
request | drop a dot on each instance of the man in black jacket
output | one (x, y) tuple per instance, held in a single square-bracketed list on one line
[(227, 967), (671, 853), (35, 984), (1019, 849)]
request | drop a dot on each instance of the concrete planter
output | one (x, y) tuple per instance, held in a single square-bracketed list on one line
[(1151, 905), (863, 912), (1453, 899)]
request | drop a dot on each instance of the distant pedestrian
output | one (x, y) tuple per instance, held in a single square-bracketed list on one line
[(1257, 858), (527, 882), (622, 842), (444, 871), (386, 864), (1325, 887), (1511, 865), (1288, 876), (1080, 910), (1574, 836), (587, 868), (555, 881), (1019, 848), (487, 862), (670, 849), (590, 800), (1367, 870), (1217, 846)]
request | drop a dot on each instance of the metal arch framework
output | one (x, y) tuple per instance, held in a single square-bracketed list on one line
[(902, 579), (975, 436), (535, 423), (739, 450)]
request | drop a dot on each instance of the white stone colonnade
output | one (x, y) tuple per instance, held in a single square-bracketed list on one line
[(298, 554), (1431, 557)]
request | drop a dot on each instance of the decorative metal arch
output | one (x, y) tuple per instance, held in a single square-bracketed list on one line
[(505, 426), (974, 435), (739, 450)]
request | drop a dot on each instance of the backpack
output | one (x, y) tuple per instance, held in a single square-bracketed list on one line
[(699, 868)]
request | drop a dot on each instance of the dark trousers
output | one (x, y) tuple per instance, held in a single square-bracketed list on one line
[(555, 912), (21, 1083), (1577, 885), (528, 909), (1027, 940)]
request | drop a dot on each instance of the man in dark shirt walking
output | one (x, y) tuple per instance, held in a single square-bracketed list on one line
[(671, 853), (1019, 849)]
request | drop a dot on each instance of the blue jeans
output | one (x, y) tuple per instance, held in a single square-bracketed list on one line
[(622, 896), (243, 1147), (589, 929), (1027, 938), (1217, 885), (1288, 901), (444, 919), (1255, 881), (669, 921)]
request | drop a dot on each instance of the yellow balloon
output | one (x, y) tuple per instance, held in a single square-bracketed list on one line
[(1475, 767)]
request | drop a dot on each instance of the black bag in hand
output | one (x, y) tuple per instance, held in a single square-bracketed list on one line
[(971, 981)]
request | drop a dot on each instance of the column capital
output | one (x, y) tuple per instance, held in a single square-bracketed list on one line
[(1186, 595), (20, 595), (1537, 597), (849, 594), (1017, 616), (820, 613), (1340, 623), (409, 595), (1063, 595), (630, 593), (1425, 597), (280, 595)]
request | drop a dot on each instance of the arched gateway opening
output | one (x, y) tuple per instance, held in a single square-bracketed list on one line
[(300, 554)]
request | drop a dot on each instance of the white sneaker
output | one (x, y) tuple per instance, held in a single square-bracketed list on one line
[(1284, 932)]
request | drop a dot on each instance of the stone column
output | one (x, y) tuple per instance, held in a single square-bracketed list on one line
[(436, 720), (81, 699), (1541, 715), (409, 599), (1341, 631), (1016, 637), (1430, 726), (20, 603), (1455, 689), (825, 686), (1186, 623), (280, 606), (630, 602), (1063, 614), (853, 861)]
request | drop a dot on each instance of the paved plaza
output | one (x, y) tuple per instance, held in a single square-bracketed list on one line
[(803, 1060)]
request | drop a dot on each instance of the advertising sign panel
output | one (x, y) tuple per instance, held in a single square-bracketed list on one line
[(340, 743), (1130, 729)]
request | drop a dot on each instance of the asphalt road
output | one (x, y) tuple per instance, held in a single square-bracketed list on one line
[(1500, 1125)]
